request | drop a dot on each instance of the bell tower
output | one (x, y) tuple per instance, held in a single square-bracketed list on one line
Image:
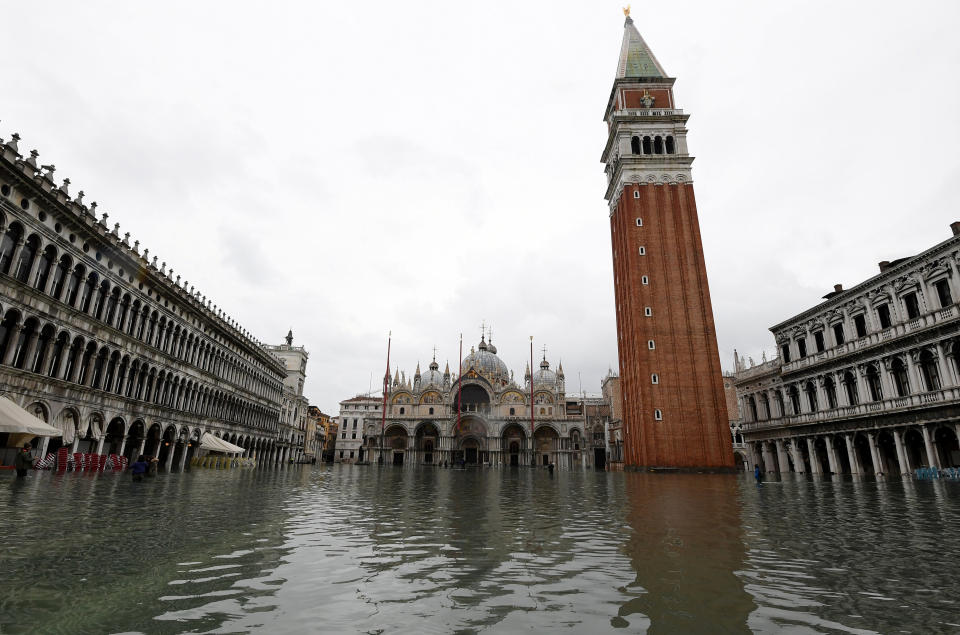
[(674, 411)]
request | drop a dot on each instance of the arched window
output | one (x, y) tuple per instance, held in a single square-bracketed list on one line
[(635, 145), (752, 402), (830, 388), (647, 146), (873, 383), (75, 284), (764, 406), (901, 381), (27, 253), (929, 371), (89, 289), (794, 399), (60, 276), (7, 244), (658, 145), (670, 147), (44, 268), (850, 387), (101, 300), (811, 391), (778, 401)]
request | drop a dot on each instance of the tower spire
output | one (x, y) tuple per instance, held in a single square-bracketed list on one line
[(636, 58)]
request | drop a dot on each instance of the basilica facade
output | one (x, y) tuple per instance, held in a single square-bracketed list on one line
[(482, 417)]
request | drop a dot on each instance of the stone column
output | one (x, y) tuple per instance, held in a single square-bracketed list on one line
[(47, 352), (15, 257), (64, 357), (945, 377), (783, 462), (932, 459), (32, 276), (123, 444), (31, 349), (768, 461), (832, 461), (875, 454), (12, 342), (916, 379), (814, 461), (43, 447), (851, 454), (143, 444), (885, 380), (183, 457), (901, 452), (103, 437), (798, 464), (863, 392), (168, 463), (88, 371)]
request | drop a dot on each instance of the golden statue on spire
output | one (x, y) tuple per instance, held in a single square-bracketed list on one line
[(626, 11)]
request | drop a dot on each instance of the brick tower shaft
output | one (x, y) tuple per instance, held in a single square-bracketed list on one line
[(674, 411)]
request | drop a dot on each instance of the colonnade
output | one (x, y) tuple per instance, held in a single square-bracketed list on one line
[(893, 450)]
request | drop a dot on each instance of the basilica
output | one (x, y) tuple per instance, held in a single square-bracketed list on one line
[(482, 417)]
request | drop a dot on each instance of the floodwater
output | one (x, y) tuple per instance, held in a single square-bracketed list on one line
[(364, 549)]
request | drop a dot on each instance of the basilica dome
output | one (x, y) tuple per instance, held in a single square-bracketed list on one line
[(544, 376), (486, 363), (432, 377)]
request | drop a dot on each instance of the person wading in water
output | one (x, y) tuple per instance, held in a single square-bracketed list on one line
[(24, 461)]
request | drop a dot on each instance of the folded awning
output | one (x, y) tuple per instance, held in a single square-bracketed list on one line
[(216, 444), (16, 420)]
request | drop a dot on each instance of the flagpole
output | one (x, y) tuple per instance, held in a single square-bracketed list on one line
[(459, 390), (386, 385), (533, 454)]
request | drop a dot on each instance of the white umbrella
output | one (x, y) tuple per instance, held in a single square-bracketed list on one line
[(16, 420)]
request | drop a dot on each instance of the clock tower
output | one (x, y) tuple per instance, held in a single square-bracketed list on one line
[(674, 411)]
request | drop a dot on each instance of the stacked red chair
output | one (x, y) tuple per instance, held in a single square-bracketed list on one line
[(101, 462), (63, 457), (78, 464)]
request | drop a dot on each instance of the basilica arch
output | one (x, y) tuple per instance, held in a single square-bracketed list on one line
[(427, 443), (470, 441)]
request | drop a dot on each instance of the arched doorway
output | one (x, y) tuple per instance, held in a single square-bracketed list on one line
[(427, 442), (841, 455), (946, 446), (914, 448), (887, 447), (135, 438), (861, 447), (545, 441), (513, 442), (474, 399), (167, 446), (470, 441), (154, 440), (395, 444), (820, 455), (114, 436)]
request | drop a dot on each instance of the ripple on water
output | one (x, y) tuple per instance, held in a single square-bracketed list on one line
[(362, 549)]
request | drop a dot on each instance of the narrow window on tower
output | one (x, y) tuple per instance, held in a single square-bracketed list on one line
[(401, 410), (654, 379), (635, 145), (658, 145), (643, 251), (647, 311), (636, 194), (657, 415), (651, 345), (670, 147), (647, 146), (644, 280), (639, 222)]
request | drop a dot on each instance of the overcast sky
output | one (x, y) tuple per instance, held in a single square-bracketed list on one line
[(347, 169)]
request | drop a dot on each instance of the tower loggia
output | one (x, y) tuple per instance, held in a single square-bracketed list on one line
[(674, 413)]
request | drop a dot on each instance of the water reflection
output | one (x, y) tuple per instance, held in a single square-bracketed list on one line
[(686, 545), (366, 549)]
